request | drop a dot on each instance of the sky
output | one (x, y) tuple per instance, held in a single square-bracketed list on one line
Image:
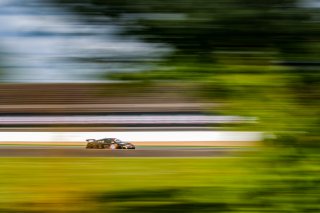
[(39, 42)]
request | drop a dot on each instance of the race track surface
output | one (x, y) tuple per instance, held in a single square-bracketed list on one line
[(77, 151)]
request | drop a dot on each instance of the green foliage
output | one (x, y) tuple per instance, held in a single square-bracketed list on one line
[(198, 28), (228, 49)]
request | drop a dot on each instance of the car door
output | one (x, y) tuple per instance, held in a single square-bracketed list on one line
[(114, 144), (106, 143), (100, 144)]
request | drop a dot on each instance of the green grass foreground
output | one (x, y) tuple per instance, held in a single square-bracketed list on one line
[(74, 184), (141, 185)]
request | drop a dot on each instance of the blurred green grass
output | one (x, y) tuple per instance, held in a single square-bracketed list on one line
[(72, 183), (233, 184)]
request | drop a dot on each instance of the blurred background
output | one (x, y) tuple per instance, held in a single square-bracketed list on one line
[(164, 66)]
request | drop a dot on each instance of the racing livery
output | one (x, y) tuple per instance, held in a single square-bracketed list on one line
[(108, 143)]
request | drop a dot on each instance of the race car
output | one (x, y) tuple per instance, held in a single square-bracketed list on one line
[(108, 143)]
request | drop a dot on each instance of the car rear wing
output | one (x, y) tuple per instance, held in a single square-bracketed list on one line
[(91, 140)]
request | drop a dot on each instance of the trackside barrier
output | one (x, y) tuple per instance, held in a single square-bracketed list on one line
[(148, 136)]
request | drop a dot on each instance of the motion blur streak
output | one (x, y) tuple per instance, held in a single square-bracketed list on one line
[(193, 84), (138, 136), (128, 119)]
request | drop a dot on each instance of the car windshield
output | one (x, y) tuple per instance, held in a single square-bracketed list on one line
[(119, 141)]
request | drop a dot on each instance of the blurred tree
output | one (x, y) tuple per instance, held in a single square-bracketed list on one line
[(229, 49), (233, 52), (200, 28)]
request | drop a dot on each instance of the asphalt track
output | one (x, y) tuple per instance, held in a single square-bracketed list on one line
[(77, 151)]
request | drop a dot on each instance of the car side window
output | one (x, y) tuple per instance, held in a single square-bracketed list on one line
[(107, 141)]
